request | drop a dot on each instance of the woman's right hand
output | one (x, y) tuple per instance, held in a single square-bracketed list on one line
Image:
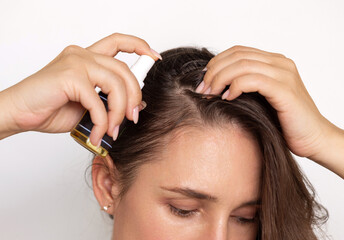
[(54, 98)]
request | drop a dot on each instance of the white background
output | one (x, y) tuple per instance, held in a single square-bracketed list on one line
[(43, 191)]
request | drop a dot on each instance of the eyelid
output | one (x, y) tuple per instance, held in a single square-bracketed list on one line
[(186, 203), (179, 212), (243, 221), (246, 211), (246, 219), (182, 213), (183, 208), (246, 215)]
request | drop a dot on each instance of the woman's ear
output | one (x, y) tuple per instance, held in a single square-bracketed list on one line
[(105, 186)]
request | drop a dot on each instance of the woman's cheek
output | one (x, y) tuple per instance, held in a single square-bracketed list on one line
[(142, 219), (242, 232)]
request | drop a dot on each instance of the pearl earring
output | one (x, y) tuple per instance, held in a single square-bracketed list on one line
[(105, 208)]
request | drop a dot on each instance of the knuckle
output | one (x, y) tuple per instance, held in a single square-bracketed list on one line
[(211, 62), (235, 83), (115, 35), (71, 49), (114, 38), (210, 70), (244, 63), (236, 48), (103, 122), (215, 79), (142, 41), (291, 63), (117, 86), (239, 54), (71, 56)]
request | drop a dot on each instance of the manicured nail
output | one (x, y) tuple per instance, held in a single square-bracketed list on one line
[(225, 95), (115, 132), (205, 69), (156, 53), (208, 91), (100, 141), (200, 87), (90, 144), (143, 105), (136, 114)]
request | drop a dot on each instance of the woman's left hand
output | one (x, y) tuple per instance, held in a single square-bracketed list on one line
[(275, 77)]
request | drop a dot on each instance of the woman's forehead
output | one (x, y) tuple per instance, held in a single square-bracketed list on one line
[(211, 160)]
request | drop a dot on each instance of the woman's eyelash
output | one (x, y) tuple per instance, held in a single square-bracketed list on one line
[(187, 213), (181, 212), (241, 220)]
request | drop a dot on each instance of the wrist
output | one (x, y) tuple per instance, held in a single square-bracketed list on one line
[(331, 150), (7, 122)]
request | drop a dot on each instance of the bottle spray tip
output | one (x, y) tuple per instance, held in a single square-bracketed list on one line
[(141, 67)]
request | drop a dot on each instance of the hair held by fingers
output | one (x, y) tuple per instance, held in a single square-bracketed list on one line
[(289, 209)]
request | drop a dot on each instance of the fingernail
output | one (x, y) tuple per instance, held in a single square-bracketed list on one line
[(225, 95), (143, 105), (115, 132), (136, 114), (156, 53), (208, 91), (90, 144), (100, 141), (205, 69), (200, 87)]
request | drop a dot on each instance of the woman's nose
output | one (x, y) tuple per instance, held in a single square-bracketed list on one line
[(217, 231)]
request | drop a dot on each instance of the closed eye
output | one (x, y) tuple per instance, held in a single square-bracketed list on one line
[(188, 213), (242, 220), (181, 212)]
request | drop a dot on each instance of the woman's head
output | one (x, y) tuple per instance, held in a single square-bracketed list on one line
[(221, 162)]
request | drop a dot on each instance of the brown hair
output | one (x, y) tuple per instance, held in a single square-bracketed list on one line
[(289, 209)]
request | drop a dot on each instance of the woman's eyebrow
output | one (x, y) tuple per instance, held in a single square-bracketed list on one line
[(191, 193), (256, 203), (188, 192)]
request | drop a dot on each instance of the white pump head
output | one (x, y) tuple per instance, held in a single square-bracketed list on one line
[(141, 67)]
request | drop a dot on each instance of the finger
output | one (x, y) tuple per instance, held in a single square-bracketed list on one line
[(112, 85), (134, 94), (239, 48), (241, 52), (271, 89), (116, 42), (278, 62), (242, 67), (90, 100)]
